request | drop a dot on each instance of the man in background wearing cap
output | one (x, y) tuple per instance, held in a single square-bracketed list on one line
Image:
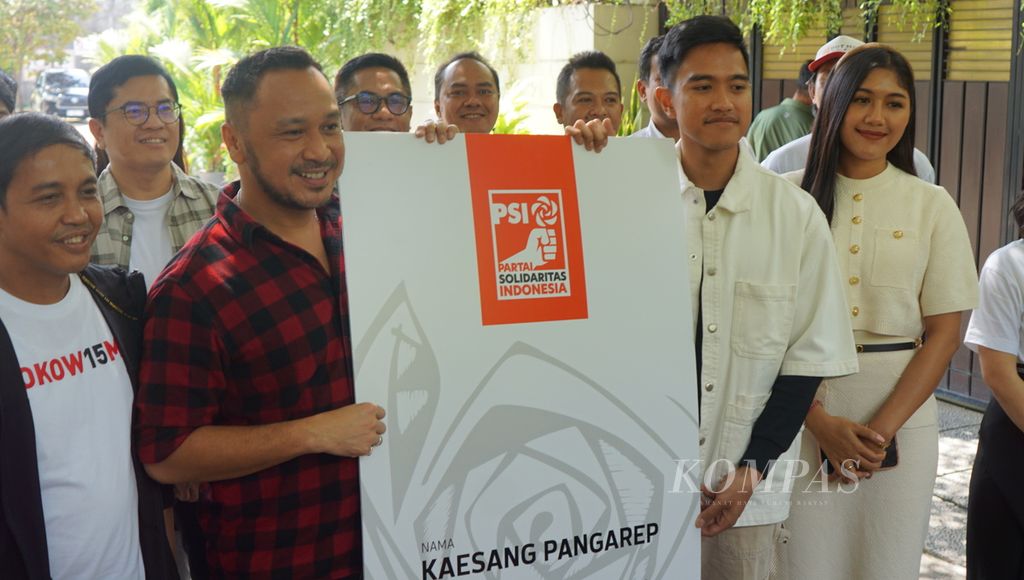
[(791, 119), (793, 155)]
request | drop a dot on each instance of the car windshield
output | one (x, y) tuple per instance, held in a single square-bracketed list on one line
[(66, 79)]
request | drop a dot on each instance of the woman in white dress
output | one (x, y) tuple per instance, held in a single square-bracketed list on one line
[(995, 509), (909, 272)]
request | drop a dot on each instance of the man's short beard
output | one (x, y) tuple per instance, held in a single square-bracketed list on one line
[(277, 196)]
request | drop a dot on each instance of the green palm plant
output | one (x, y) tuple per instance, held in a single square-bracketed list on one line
[(510, 122), (633, 114), (198, 75), (785, 22)]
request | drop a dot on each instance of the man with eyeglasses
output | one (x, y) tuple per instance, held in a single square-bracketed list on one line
[(466, 93), (374, 94), (151, 206)]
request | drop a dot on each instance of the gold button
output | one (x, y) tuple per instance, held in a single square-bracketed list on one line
[(709, 387), (897, 234), (711, 216), (858, 196), (855, 311), (854, 280), (856, 219), (854, 249)]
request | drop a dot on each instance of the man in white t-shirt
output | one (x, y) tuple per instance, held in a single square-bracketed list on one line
[(793, 155), (151, 206), (76, 503)]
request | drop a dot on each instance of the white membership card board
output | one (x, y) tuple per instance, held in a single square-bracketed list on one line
[(520, 308)]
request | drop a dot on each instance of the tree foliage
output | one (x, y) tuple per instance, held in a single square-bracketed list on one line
[(200, 39), (39, 30), (784, 22), (208, 36)]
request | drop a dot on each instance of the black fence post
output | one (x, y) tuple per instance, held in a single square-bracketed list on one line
[(940, 50), (1014, 172), (756, 65)]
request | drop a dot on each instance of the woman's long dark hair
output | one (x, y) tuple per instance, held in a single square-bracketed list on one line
[(848, 75)]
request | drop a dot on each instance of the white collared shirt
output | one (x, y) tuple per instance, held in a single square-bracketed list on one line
[(903, 253), (652, 132), (649, 132), (773, 305)]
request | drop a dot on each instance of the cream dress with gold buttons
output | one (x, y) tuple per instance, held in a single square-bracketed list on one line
[(904, 254)]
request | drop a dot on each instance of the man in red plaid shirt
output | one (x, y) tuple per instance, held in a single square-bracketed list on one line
[(247, 376)]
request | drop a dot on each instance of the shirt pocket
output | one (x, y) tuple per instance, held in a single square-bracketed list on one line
[(894, 264), (761, 319)]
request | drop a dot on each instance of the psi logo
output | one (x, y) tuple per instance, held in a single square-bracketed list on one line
[(529, 244), (526, 222)]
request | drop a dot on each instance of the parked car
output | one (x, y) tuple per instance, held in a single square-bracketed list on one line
[(63, 92)]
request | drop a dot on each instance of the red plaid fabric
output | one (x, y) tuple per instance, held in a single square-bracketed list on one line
[(244, 328)]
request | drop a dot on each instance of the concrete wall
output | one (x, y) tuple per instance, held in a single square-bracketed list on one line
[(558, 33)]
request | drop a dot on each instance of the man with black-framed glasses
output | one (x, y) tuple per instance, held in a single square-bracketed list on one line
[(151, 206), (374, 94)]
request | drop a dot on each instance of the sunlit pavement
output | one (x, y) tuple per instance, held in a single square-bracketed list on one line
[(946, 547)]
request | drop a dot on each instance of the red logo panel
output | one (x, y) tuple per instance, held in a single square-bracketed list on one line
[(526, 218)]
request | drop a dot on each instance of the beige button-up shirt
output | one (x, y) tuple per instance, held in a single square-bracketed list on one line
[(903, 252), (773, 305)]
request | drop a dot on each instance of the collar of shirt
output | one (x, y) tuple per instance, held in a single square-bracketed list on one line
[(878, 183), (112, 198), (242, 227), (736, 197), (654, 132)]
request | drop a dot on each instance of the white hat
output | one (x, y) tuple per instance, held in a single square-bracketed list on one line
[(833, 50)]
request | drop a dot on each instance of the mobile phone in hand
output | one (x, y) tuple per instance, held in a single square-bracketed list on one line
[(892, 457)]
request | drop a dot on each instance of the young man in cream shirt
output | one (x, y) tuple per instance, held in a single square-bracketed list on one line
[(770, 316)]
